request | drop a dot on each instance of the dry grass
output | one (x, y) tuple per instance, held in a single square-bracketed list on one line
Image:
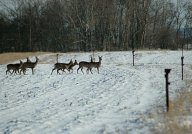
[(177, 120), (10, 57)]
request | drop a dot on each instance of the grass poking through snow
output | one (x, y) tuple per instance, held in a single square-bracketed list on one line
[(179, 118)]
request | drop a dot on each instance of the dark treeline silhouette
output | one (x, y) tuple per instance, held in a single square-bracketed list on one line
[(88, 25)]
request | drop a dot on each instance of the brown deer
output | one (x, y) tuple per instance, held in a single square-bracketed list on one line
[(28, 60), (31, 65), (62, 66), (95, 65), (14, 67), (89, 65), (83, 64)]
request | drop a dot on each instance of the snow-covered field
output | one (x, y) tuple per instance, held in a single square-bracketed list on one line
[(113, 101)]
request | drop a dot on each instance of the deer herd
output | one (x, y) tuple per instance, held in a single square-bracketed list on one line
[(22, 67)]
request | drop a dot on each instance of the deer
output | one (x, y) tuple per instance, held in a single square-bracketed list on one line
[(14, 67), (29, 64), (83, 64), (62, 66), (71, 66), (95, 65), (28, 60), (89, 65)]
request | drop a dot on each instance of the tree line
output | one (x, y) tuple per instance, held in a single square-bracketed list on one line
[(89, 25)]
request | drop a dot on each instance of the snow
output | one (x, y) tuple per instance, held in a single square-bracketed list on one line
[(113, 101)]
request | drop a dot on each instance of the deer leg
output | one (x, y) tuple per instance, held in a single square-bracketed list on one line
[(87, 70), (82, 70), (7, 71), (68, 70), (11, 72), (78, 69), (15, 72), (20, 71), (53, 70), (58, 71), (24, 71), (32, 70), (98, 70), (63, 70), (91, 70)]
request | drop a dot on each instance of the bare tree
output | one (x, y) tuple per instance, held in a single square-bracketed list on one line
[(88, 25)]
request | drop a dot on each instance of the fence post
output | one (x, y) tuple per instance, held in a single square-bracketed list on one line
[(167, 71), (182, 64), (133, 57), (57, 57)]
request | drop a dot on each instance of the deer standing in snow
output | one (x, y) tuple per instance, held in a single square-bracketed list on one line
[(71, 66), (62, 66), (89, 65), (14, 67), (95, 65), (29, 64)]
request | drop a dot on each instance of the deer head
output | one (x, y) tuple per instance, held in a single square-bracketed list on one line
[(75, 63), (37, 59)]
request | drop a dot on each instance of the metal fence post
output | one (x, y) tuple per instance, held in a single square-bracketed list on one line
[(57, 56), (167, 71), (133, 57), (182, 64)]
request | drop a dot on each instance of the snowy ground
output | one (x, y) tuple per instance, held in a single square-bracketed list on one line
[(113, 101)]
